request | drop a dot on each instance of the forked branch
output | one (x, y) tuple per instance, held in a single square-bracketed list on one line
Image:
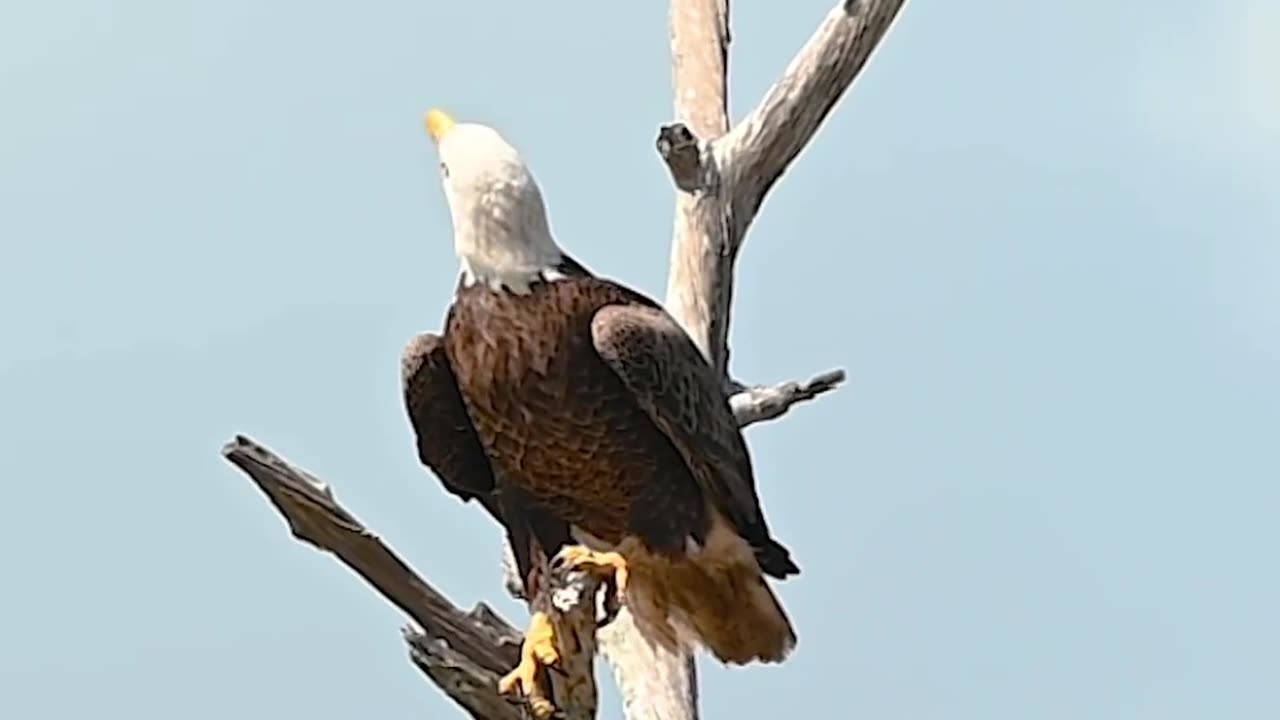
[(722, 177)]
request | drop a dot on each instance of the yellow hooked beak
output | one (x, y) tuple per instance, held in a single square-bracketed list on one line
[(438, 123)]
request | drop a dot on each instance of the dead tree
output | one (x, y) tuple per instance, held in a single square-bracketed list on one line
[(721, 174)]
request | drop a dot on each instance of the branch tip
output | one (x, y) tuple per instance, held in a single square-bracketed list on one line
[(767, 402), (679, 149)]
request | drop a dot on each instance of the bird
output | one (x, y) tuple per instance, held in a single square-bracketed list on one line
[(586, 422)]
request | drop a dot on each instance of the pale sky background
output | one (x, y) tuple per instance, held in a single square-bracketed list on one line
[(1043, 238)]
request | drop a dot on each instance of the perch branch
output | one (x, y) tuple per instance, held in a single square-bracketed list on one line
[(464, 653)]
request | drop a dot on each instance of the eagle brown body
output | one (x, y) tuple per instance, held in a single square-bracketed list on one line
[(579, 413), (579, 457), (561, 421)]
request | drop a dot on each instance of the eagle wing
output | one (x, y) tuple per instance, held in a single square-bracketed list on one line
[(684, 397), (448, 445), (447, 442)]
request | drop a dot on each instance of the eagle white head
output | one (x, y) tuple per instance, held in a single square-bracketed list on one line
[(501, 234)]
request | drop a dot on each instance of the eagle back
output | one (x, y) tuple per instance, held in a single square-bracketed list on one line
[(556, 419), (504, 343)]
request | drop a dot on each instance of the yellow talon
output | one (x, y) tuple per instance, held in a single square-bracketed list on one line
[(537, 651), (578, 556)]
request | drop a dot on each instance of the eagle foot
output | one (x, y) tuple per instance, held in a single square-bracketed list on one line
[(536, 652), (609, 564)]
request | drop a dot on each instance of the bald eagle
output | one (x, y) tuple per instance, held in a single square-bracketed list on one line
[(588, 424)]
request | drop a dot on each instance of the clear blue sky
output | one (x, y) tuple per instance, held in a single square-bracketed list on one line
[(1044, 241)]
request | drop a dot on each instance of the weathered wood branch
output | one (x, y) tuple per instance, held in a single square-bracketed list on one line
[(700, 63), (750, 405), (766, 402), (464, 653), (723, 177)]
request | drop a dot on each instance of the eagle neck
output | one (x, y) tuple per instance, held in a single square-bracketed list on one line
[(522, 281), (506, 255)]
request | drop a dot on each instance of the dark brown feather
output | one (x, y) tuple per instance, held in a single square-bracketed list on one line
[(448, 445), (562, 425), (559, 423), (685, 398)]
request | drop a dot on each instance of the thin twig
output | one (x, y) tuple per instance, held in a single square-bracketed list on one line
[(767, 402)]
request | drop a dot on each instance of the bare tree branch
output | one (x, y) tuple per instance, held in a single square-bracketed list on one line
[(464, 653), (469, 684), (700, 60), (699, 63), (766, 402), (700, 277), (760, 147)]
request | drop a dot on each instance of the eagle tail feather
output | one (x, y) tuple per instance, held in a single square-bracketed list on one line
[(775, 560), (751, 625)]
